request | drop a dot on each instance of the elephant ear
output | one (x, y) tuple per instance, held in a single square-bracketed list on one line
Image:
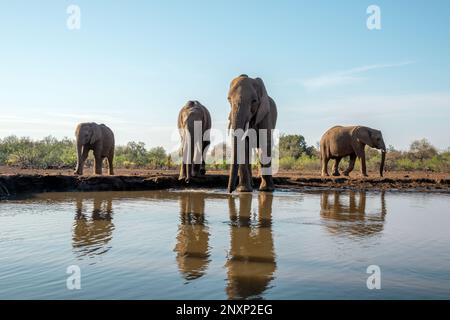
[(96, 133), (264, 103), (180, 119), (363, 135), (77, 130)]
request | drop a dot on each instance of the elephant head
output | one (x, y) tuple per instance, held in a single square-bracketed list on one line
[(250, 104), (374, 139), (88, 133)]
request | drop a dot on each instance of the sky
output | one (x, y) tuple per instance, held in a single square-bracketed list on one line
[(133, 64)]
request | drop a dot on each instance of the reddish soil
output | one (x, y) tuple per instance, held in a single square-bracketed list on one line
[(17, 181)]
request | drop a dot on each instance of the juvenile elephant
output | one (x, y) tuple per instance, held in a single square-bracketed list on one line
[(193, 144), (339, 142), (96, 137), (251, 108)]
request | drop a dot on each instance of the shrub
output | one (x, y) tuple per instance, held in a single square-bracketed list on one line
[(287, 163)]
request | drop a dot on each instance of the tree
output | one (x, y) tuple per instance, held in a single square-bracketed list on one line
[(157, 156), (422, 150), (220, 152), (294, 146)]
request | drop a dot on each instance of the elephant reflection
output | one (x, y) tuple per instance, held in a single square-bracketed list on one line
[(352, 218), (251, 259), (193, 236), (91, 235)]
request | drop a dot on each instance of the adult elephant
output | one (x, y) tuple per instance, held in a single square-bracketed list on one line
[(339, 142), (100, 139), (194, 123), (251, 108)]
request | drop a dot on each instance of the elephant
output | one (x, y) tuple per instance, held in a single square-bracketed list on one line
[(100, 139), (193, 146), (192, 248), (251, 259), (338, 142), (251, 108), (92, 233), (346, 214)]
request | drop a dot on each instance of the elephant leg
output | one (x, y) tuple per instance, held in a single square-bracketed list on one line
[(351, 164), (196, 170), (81, 161), (244, 179), (203, 166), (336, 167), (182, 171), (266, 183), (111, 163), (266, 179), (98, 159), (244, 174), (325, 166), (363, 165), (191, 165), (362, 157), (188, 169)]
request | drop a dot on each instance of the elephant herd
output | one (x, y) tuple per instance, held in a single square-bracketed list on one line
[(251, 121)]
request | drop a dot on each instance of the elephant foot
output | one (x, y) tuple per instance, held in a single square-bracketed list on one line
[(266, 188), (346, 173), (181, 178), (266, 184), (325, 175), (336, 174), (243, 188), (364, 175)]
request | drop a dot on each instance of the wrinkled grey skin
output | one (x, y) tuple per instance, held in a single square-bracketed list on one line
[(100, 139), (339, 142), (193, 111), (250, 107)]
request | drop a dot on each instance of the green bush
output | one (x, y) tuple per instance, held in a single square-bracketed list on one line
[(307, 163), (406, 164), (53, 153), (287, 163)]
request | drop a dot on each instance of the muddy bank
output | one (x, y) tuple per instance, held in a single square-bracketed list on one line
[(35, 183)]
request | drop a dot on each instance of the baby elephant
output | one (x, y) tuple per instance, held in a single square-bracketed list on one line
[(100, 139), (339, 142), (194, 123)]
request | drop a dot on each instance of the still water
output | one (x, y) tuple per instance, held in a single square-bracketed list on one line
[(208, 245)]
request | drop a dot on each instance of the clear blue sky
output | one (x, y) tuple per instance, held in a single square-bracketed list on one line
[(134, 64)]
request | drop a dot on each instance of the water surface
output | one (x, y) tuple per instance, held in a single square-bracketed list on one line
[(209, 245)]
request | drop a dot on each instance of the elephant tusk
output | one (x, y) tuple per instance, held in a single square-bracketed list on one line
[(246, 131)]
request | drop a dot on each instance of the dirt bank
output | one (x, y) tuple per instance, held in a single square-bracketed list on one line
[(27, 181)]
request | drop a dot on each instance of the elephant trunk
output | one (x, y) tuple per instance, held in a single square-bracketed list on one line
[(383, 159), (238, 121), (233, 168)]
